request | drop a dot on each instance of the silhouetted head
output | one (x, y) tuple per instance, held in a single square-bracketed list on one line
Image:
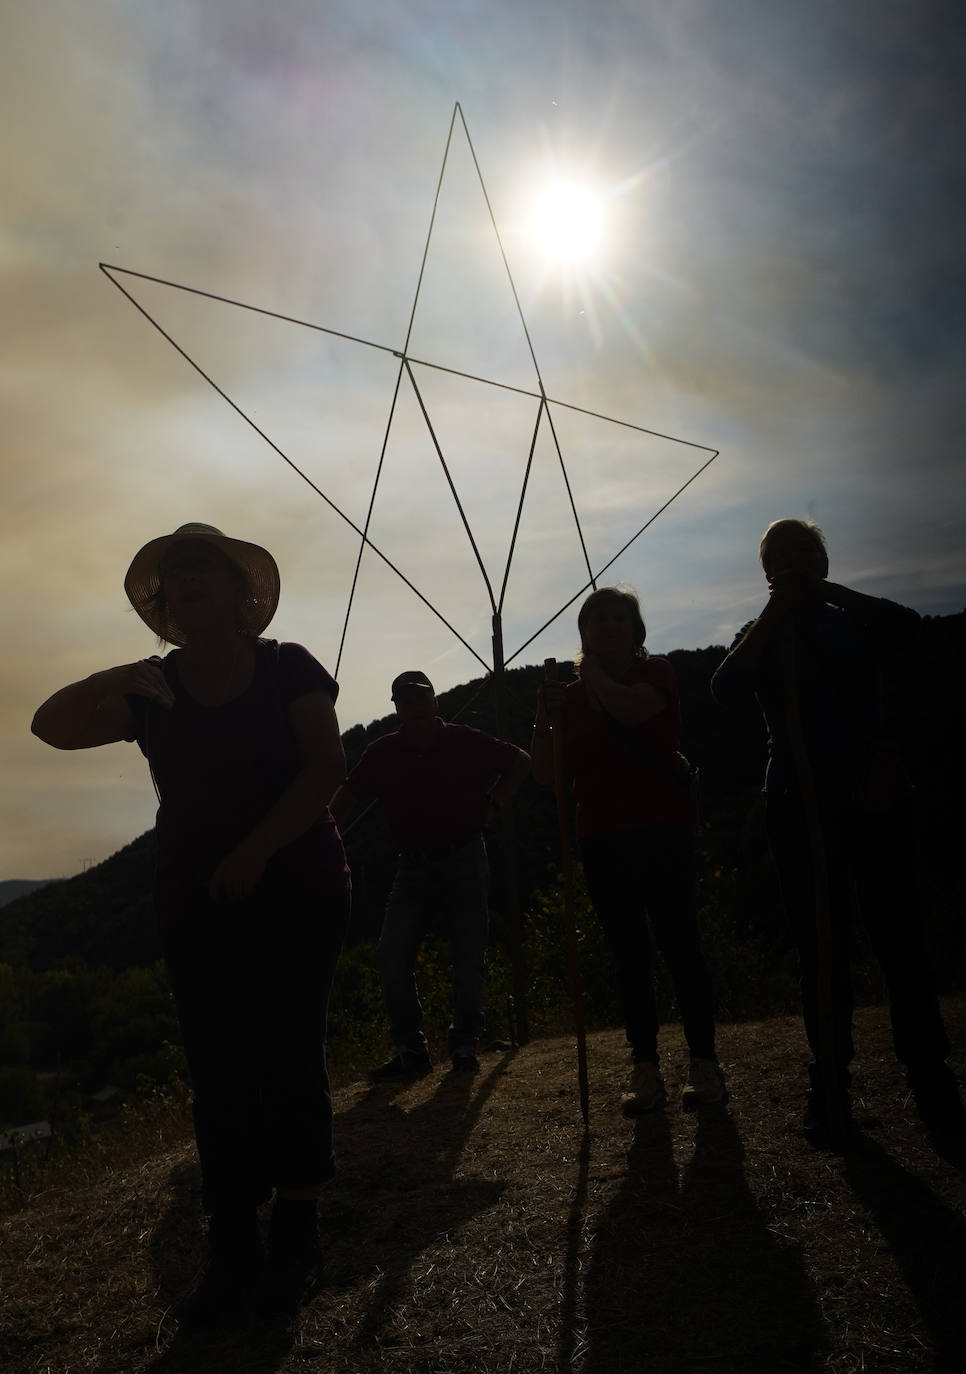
[(611, 624), (793, 546), (413, 698), (174, 581)]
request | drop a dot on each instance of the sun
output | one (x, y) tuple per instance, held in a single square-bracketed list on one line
[(566, 221)]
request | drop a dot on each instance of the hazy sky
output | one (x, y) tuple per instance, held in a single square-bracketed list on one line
[(780, 276)]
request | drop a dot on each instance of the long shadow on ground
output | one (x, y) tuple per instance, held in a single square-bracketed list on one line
[(177, 1249), (393, 1196), (686, 1275), (402, 1165), (927, 1239)]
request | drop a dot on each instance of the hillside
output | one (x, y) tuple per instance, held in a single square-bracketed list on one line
[(103, 915), (100, 916), (475, 1229)]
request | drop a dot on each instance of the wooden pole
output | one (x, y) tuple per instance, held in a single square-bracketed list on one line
[(520, 1033), (566, 853), (825, 1049)]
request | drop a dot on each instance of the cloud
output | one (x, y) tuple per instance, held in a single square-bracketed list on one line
[(784, 284)]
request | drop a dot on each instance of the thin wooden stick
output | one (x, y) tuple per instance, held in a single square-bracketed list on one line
[(567, 860), (825, 1049)]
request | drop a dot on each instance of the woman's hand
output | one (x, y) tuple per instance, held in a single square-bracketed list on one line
[(141, 679), (789, 591), (94, 711), (236, 877)]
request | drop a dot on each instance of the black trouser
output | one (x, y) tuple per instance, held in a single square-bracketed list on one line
[(251, 982), (872, 861), (651, 870)]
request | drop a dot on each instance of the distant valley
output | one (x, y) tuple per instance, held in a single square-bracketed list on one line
[(12, 888)]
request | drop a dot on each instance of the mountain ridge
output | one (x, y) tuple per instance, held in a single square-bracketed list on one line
[(12, 888), (104, 915)]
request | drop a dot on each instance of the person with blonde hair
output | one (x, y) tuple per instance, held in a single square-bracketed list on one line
[(252, 889), (823, 662), (621, 724)]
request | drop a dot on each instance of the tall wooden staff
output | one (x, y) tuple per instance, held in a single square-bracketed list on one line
[(567, 859), (825, 1050)]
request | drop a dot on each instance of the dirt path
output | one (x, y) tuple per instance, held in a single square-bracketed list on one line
[(475, 1227)]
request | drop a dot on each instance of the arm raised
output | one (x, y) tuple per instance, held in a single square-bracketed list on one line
[(629, 704), (93, 711)]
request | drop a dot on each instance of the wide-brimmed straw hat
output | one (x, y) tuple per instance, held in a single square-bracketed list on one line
[(143, 581)]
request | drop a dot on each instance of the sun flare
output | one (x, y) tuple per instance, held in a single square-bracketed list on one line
[(566, 221)]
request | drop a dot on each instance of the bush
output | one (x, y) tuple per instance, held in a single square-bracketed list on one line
[(21, 1097), (357, 1022)]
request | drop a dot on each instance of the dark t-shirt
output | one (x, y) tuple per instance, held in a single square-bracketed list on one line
[(219, 769), (848, 708), (436, 795), (627, 776)]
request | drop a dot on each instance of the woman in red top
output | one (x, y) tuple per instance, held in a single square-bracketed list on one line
[(251, 887), (635, 824)]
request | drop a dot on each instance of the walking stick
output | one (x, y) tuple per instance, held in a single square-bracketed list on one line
[(823, 914), (567, 858)]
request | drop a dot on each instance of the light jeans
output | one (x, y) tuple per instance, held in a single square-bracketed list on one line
[(454, 888)]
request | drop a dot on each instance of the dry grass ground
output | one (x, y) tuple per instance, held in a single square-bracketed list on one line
[(475, 1227)]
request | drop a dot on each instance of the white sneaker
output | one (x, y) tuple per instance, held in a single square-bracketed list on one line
[(646, 1089), (705, 1083)]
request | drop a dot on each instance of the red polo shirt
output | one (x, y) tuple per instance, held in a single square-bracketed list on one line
[(626, 776), (435, 794)]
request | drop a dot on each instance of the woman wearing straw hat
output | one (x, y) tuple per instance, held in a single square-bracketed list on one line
[(252, 889)]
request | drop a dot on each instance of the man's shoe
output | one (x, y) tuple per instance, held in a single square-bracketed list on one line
[(818, 1127), (646, 1090), (705, 1083), (235, 1263), (289, 1283), (295, 1266), (465, 1061), (405, 1064)]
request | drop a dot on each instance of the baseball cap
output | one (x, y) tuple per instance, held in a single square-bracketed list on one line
[(413, 678)]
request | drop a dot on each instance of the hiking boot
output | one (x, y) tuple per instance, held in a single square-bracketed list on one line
[(940, 1107), (295, 1266), (465, 1061), (235, 1263), (403, 1064), (705, 1083), (816, 1124), (646, 1089)]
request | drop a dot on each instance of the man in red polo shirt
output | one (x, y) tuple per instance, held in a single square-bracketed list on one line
[(440, 785)]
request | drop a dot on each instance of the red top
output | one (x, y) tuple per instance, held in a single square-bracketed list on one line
[(627, 776), (434, 795)]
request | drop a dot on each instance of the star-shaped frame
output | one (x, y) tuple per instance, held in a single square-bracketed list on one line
[(407, 375)]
